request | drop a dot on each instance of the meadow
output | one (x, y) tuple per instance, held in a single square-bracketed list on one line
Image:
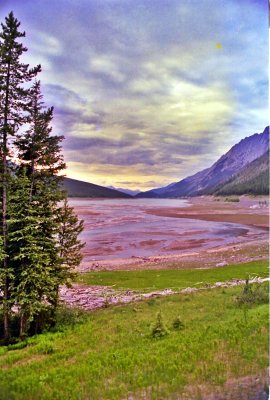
[(175, 279), (112, 354)]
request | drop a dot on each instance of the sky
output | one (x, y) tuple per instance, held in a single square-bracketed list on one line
[(148, 92)]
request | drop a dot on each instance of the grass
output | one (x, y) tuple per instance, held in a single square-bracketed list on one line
[(111, 354), (148, 280)]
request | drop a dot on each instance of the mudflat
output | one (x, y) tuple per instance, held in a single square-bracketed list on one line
[(198, 232), (248, 211)]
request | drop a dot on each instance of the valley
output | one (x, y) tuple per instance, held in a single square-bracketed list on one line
[(134, 200)]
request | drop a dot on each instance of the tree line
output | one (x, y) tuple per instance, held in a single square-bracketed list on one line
[(39, 245)]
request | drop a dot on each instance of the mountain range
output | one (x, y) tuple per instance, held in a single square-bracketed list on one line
[(77, 188), (244, 169), (124, 190), (236, 172)]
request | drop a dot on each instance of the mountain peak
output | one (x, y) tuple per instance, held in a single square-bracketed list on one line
[(241, 154)]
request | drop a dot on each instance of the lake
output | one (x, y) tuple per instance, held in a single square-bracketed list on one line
[(122, 228)]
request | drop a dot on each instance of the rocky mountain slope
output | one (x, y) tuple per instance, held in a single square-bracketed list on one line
[(203, 182), (252, 179)]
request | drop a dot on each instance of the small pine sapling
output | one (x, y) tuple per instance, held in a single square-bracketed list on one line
[(159, 329), (178, 324)]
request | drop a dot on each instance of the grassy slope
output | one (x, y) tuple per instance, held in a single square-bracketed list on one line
[(111, 353), (175, 278)]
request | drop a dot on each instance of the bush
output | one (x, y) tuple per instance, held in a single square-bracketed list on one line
[(17, 346), (178, 324), (253, 294), (159, 330), (66, 316)]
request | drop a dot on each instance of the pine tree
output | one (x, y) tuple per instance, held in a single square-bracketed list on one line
[(69, 246), (13, 102), (29, 257), (39, 245), (40, 153)]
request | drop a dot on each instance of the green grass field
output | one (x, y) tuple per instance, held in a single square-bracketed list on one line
[(110, 353), (149, 280)]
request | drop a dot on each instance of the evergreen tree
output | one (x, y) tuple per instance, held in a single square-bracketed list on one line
[(28, 252), (69, 246), (39, 245), (39, 151), (13, 102), (40, 154)]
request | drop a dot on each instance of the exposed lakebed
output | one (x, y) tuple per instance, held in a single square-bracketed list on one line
[(124, 228)]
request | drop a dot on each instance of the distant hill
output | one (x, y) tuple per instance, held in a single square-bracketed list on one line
[(76, 188), (203, 182), (252, 179)]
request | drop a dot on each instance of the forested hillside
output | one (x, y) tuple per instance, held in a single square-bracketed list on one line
[(252, 179), (77, 188)]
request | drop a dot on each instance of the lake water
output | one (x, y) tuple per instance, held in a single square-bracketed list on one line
[(121, 228)]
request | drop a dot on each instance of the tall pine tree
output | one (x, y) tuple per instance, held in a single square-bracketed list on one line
[(13, 101), (39, 245), (39, 153)]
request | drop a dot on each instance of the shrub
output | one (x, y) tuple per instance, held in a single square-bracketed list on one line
[(253, 294), (178, 324), (159, 330), (106, 303), (68, 317), (17, 346), (151, 302)]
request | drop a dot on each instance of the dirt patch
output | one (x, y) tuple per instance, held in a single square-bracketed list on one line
[(253, 387)]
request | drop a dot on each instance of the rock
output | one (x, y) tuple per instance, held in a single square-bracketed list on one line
[(189, 290), (222, 264)]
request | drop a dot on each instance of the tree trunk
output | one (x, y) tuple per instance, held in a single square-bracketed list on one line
[(5, 265), (23, 325), (54, 304), (4, 211)]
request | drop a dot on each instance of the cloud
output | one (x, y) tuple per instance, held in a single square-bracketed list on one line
[(141, 90)]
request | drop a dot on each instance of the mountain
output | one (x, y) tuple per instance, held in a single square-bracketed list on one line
[(127, 191), (76, 188), (252, 179), (203, 182)]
